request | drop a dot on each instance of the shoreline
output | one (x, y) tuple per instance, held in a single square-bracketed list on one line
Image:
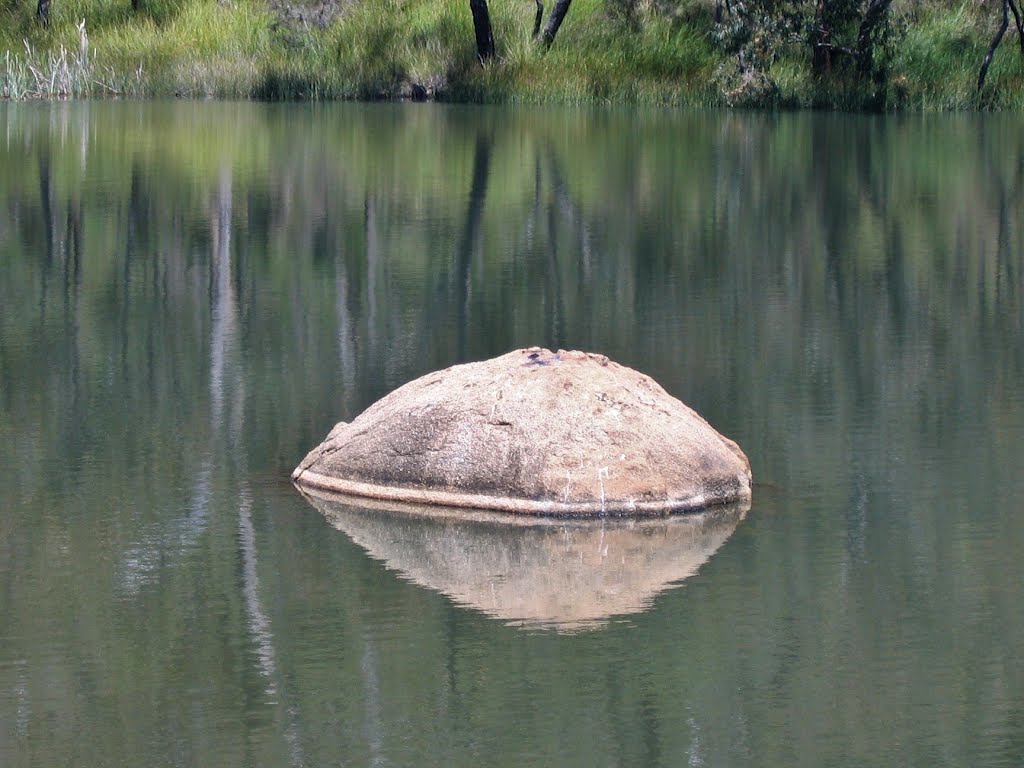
[(419, 51)]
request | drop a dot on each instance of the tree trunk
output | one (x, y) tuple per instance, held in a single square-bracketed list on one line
[(1020, 24), (43, 12), (482, 27), (555, 21), (821, 55), (995, 44), (876, 11)]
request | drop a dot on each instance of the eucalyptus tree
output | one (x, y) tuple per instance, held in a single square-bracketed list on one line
[(1008, 6), (482, 28), (833, 31), (547, 37), (485, 34)]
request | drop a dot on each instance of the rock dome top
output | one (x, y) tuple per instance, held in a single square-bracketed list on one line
[(533, 432)]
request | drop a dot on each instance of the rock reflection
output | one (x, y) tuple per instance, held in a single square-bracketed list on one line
[(568, 575)]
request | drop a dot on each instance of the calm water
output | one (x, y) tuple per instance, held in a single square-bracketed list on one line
[(192, 294)]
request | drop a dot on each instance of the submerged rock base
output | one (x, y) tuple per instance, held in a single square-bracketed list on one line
[(533, 432)]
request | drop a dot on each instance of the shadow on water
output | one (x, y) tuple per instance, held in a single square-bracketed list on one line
[(536, 573)]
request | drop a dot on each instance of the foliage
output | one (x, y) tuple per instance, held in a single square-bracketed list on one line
[(790, 53), (849, 42)]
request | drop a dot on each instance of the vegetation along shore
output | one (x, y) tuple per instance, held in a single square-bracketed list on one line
[(879, 55)]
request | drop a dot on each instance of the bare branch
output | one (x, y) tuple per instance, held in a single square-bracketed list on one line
[(833, 48)]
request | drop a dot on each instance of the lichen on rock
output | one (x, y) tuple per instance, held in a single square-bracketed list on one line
[(533, 432)]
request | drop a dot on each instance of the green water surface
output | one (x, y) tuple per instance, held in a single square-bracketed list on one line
[(192, 294)]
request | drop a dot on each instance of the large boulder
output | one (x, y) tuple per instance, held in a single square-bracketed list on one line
[(533, 432)]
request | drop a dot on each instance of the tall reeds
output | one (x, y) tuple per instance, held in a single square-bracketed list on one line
[(53, 74)]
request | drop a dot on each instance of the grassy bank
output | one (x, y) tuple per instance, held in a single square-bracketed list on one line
[(669, 53)]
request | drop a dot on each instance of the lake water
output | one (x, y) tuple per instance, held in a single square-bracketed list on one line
[(192, 294)]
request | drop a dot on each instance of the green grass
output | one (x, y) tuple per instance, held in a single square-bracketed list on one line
[(942, 57), (381, 49)]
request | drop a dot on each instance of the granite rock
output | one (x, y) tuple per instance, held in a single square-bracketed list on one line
[(533, 432)]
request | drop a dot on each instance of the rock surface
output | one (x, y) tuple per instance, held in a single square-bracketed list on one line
[(533, 432)]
